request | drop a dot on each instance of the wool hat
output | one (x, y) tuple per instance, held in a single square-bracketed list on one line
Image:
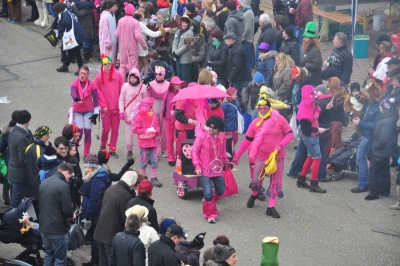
[(163, 12), (50, 150), (245, 3), (258, 78), (40, 132), (387, 104), (223, 252), (91, 161), (333, 83), (322, 88), (191, 7), (264, 47), (230, 36), (230, 91), (165, 224), (289, 32), (231, 5), (217, 33), (186, 18), (129, 8), (103, 156), (354, 86), (145, 187), (138, 210), (310, 30), (23, 117), (393, 61)]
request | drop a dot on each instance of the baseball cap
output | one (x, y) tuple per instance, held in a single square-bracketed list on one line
[(177, 230)]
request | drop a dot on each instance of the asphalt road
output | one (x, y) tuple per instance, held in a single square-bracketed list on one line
[(336, 228)]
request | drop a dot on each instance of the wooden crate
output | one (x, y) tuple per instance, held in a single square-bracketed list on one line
[(392, 23), (365, 21)]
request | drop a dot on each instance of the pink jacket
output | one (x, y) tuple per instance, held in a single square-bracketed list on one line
[(88, 95), (107, 27), (205, 149), (139, 127), (158, 91), (188, 106), (109, 91), (129, 37), (127, 93)]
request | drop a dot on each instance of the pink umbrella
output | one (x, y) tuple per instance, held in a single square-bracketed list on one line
[(199, 93)]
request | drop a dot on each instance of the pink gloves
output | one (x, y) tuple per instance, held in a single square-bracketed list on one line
[(122, 116)]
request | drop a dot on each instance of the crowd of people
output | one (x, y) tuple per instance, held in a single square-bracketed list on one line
[(149, 53)]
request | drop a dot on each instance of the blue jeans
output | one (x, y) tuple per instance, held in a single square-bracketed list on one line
[(148, 154), (55, 246), (50, 9), (219, 185), (248, 49), (88, 44), (18, 193), (298, 33), (312, 144), (363, 172), (239, 87)]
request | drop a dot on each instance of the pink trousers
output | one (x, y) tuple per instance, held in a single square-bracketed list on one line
[(129, 135), (169, 130), (161, 141), (110, 122)]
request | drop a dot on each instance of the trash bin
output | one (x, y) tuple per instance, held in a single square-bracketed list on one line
[(360, 47)]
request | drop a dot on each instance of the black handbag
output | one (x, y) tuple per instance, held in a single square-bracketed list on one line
[(52, 38)]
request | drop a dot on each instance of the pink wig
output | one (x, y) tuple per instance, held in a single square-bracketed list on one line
[(307, 106), (145, 105)]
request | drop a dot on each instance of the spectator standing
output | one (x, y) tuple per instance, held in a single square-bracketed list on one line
[(290, 46), (248, 36), (217, 56), (231, 107), (222, 13), (235, 22), (280, 23), (303, 14), (107, 27), (282, 82), (268, 34), (266, 62)]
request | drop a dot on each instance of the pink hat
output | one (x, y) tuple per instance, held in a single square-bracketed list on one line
[(129, 9), (177, 81), (230, 91)]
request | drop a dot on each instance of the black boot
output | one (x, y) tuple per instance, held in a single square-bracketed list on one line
[(272, 212), (301, 182), (63, 68), (315, 188), (34, 13), (85, 56), (250, 202)]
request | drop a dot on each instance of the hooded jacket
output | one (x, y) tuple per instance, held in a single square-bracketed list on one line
[(235, 24), (385, 135)]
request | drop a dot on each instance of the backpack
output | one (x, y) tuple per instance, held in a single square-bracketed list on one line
[(76, 237)]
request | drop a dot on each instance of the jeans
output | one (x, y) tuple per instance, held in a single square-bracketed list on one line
[(363, 172), (298, 33), (18, 193), (55, 247), (312, 144), (148, 154), (88, 44), (219, 185), (239, 87), (248, 49), (104, 253), (50, 9)]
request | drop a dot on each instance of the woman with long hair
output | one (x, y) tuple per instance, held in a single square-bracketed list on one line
[(282, 83)]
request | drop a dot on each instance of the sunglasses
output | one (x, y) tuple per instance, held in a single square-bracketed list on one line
[(158, 74)]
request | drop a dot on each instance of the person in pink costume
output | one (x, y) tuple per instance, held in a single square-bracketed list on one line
[(268, 132), (109, 83), (129, 37), (132, 93), (145, 126), (85, 106), (308, 116), (107, 27), (158, 90), (208, 158)]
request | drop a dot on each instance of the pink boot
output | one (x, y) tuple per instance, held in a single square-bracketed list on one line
[(210, 211)]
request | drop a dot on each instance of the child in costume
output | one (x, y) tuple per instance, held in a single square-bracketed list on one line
[(145, 125), (354, 102)]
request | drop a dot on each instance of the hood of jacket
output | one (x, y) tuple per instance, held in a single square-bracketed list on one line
[(270, 54), (238, 14), (136, 73)]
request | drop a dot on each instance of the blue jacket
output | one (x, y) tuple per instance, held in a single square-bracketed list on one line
[(369, 118), (230, 115), (65, 24), (93, 194), (265, 67)]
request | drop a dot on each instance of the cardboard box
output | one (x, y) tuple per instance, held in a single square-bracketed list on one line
[(378, 22)]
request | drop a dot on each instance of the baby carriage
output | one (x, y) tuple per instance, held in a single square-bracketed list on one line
[(31, 240), (343, 160)]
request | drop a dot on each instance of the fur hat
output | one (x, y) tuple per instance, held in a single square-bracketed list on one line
[(23, 117), (91, 161), (230, 91), (374, 91), (231, 5), (129, 8), (258, 78), (387, 104), (223, 252), (191, 7), (103, 156)]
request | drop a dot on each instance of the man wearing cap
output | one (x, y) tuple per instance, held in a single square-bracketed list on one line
[(144, 191), (109, 84), (236, 61), (386, 53), (393, 68), (248, 36), (267, 35), (190, 11), (32, 153), (107, 27), (19, 139), (162, 252), (235, 22)]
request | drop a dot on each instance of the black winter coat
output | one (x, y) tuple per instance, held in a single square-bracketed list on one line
[(112, 215), (325, 116), (55, 206), (162, 253), (236, 62), (267, 35), (385, 135), (217, 58), (290, 47), (312, 61), (127, 250), (147, 202), (30, 162)]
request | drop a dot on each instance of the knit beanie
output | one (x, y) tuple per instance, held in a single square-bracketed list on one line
[(129, 9), (50, 151), (258, 78), (223, 252), (163, 12), (231, 5), (230, 91), (103, 156), (165, 223), (354, 86), (190, 7), (322, 88), (91, 161), (23, 117)]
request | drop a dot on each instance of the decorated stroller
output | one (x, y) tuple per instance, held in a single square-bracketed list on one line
[(343, 161)]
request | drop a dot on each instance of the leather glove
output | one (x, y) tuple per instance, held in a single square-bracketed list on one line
[(122, 116), (77, 99), (86, 224), (93, 119), (198, 241)]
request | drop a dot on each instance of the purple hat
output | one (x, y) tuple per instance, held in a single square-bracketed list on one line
[(264, 47)]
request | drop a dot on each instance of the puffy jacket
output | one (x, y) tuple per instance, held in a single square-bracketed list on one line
[(369, 118), (127, 250), (94, 193), (207, 148), (235, 24), (162, 253), (236, 61), (385, 135), (265, 65), (251, 95), (217, 58), (303, 13), (230, 113), (55, 205), (180, 48), (290, 47), (65, 24), (312, 61)]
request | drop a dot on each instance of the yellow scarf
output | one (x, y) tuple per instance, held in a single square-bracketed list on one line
[(266, 116)]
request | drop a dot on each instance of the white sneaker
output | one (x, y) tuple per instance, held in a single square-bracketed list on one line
[(211, 220), (164, 154)]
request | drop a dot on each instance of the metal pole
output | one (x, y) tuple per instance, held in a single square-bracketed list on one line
[(354, 4)]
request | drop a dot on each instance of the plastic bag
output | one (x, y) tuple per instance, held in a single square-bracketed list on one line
[(231, 187), (293, 123)]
